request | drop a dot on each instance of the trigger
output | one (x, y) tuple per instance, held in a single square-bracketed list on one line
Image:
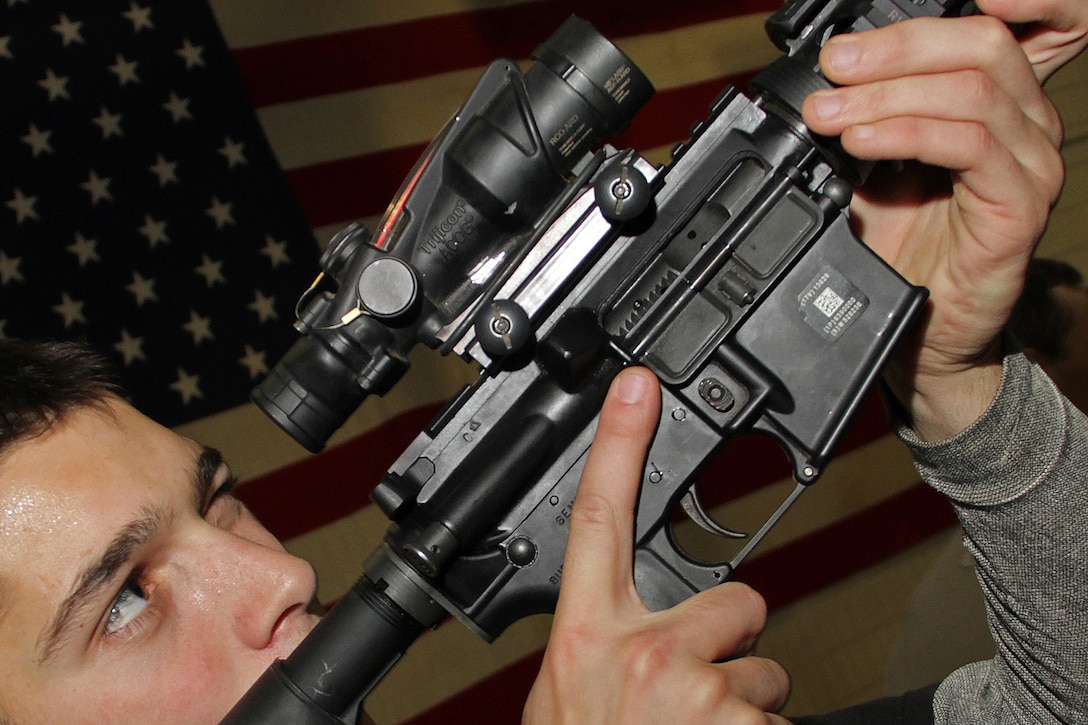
[(698, 514)]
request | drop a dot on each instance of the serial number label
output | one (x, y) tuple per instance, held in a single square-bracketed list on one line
[(831, 304)]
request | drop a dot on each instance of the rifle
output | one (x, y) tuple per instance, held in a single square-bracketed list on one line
[(522, 243)]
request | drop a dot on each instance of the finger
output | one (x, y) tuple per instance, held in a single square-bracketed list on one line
[(966, 95), (720, 623), (1048, 51), (597, 567), (998, 203), (743, 692), (928, 46), (759, 681), (965, 98), (996, 183), (746, 690)]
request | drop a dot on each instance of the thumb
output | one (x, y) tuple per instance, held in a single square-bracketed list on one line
[(597, 568)]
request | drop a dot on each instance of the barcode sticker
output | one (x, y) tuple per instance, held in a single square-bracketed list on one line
[(831, 303)]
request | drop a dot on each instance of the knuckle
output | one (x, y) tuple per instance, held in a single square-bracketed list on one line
[(1049, 178), (978, 90), (751, 601), (709, 689), (1056, 166), (979, 140), (867, 103), (1052, 124), (648, 655), (569, 648), (772, 672), (616, 427), (593, 509), (992, 34), (889, 42)]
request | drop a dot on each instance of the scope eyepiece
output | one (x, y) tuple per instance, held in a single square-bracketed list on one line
[(310, 392), (325, 376)]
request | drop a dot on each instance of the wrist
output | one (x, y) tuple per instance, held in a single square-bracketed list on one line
[(942, 401)]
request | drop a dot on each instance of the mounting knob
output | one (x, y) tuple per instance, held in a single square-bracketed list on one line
[(621, 191), (502, 328)]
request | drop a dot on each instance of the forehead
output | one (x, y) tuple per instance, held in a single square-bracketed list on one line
[(64, 491)]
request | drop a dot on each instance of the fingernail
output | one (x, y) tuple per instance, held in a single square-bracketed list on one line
[(841, 53), (632, 388), (827, 105)]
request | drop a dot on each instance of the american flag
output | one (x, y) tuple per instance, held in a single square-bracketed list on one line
[(347, 94), (143, 209)]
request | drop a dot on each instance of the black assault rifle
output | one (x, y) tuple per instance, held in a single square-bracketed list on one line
[(521, 243)]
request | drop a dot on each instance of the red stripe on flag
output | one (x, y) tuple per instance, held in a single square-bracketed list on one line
[(783, 576), (338, 62), (498, 700), (361, 186), (317, 490), (338, 191), (850, 545)]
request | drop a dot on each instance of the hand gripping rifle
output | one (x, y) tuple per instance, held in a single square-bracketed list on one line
[(520, 243)]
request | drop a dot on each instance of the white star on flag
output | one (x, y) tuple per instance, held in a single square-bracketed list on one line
[(137, 195)]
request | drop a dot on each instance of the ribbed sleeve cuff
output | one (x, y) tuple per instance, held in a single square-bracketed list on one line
[(1004, 453)]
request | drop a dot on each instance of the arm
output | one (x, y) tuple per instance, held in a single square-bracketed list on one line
[(1011, 452), (609, 658), (1016, 480)]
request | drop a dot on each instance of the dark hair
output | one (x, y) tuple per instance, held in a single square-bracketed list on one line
[(1037, 320), (42, 381)]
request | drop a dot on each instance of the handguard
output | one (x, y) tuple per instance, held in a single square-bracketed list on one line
[(522, 244)]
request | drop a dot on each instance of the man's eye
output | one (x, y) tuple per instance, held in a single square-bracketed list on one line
[(224, 508), (126, 607)]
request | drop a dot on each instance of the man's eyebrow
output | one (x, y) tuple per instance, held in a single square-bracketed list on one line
[(208, 464), (95, 577), (103, 570)]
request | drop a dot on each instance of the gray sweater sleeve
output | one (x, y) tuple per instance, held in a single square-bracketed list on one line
[(1018, 479)]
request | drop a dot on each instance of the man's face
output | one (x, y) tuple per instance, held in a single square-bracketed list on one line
[(133, 587)]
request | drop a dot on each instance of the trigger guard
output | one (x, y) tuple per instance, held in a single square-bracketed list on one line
[(665, 576)]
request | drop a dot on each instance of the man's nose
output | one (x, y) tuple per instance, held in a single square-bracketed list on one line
[(262, 591), (279, 598)]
